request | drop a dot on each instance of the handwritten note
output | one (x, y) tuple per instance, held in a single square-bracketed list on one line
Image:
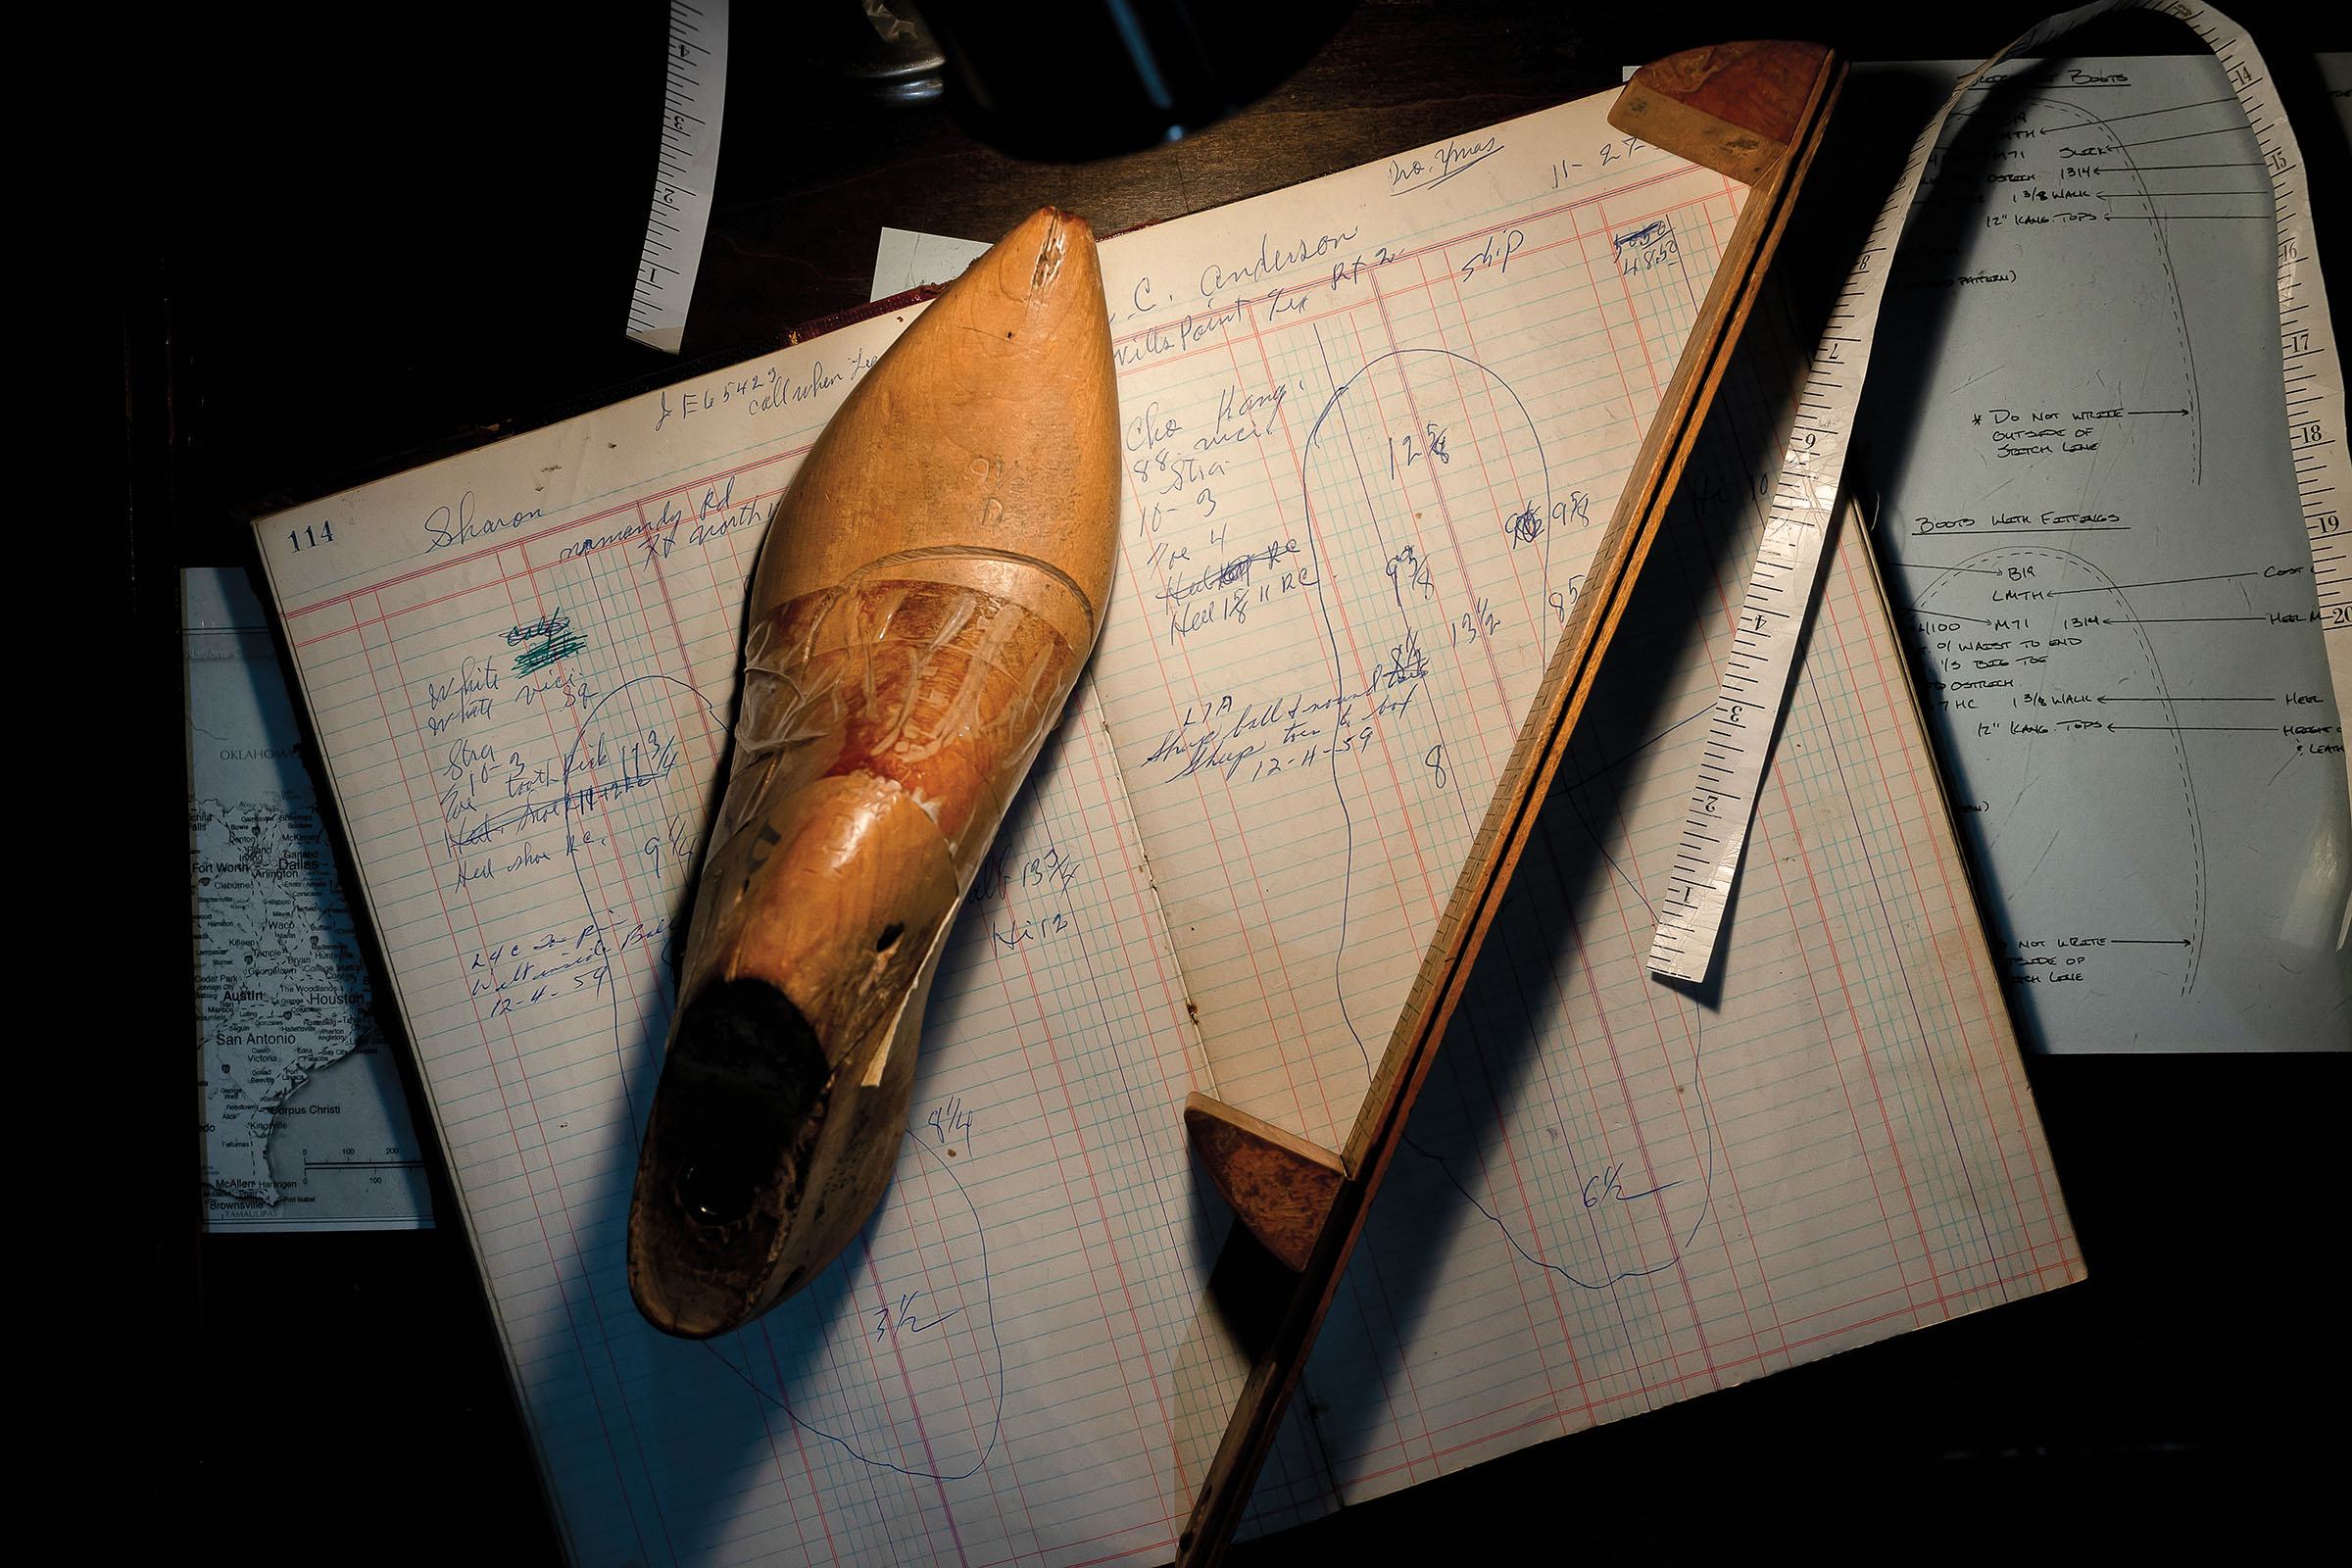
[(2104, 572), (1369, 461)]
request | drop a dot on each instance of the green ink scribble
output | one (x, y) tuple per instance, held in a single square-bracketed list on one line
[(541, 655)]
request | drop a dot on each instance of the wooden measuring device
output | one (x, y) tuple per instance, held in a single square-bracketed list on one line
[(1805, 489), (1754, 112)]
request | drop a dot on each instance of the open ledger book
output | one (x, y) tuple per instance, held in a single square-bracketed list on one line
[(1372, 428)]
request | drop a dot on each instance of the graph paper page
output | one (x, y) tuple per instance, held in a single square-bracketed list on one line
[(1375, 430), (521, 663), (1616, 1193)]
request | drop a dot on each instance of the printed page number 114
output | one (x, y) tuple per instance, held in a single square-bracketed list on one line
[(311, 536)]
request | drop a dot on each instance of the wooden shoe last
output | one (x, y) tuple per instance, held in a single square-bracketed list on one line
[(931, 585)]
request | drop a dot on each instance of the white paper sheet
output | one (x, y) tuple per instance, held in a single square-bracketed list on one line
[(2097, 529)]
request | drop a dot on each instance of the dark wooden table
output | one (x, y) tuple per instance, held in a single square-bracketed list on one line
[(360, 251)]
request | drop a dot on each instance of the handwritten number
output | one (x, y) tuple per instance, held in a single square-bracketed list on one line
[(898, 1314)]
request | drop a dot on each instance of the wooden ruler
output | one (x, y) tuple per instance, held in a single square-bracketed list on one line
[(1754, 112), (1771, 627), (694, 100)]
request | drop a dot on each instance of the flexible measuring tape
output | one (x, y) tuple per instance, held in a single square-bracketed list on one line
[(694, 100), (1764, 652)]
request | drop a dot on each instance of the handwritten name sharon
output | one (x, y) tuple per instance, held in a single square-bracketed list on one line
[(446, 527)]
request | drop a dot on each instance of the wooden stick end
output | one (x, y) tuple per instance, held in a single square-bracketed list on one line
[(1734, 107), (1279, 1183)]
